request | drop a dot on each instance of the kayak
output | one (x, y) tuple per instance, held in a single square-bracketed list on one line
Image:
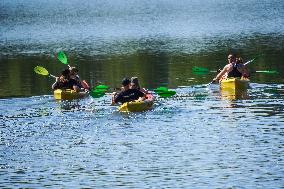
[(231, 94), (138, 105), (68, 94), (237, 84)]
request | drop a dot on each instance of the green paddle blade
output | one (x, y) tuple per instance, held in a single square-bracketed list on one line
[(199, 69), (62, 57), (161, 89), (166, 94), (268, 71), (41, 70), (96, 93), (104, 87)]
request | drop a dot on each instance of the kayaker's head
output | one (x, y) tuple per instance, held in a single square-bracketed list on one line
[(73, 70), (125, 83), (239, 60), (65, 73), (134, 84), (231, 58)]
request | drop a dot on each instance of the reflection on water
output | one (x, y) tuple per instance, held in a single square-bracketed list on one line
[(154, 69)]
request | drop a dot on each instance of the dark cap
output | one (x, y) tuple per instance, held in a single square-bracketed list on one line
[(125, 81)]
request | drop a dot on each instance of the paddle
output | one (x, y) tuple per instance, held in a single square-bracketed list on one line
[(199, 69), (210, 83), (100, 90), (63, 58), (267, 71), (42, 71), (96, 93), (246, 63), (164, 92), (206, 70), (161, 89), (101, 87)]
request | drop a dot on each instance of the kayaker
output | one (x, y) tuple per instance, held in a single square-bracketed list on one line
[(127, 94), (74, 75), (245, 73), (134, 84), (232, 69), (65, 82)]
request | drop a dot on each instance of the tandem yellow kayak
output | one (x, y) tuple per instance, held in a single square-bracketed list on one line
[(68, 94), (237, 84), (138, 105)]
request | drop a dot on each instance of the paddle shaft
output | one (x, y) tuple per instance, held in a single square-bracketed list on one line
[(249, 61), (52, 75)]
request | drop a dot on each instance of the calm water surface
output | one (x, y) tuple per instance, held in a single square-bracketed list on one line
[(200, 138)]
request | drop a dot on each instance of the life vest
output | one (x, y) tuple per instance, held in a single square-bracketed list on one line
[(235, 72)]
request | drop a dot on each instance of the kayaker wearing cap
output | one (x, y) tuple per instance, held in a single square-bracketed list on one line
[(134, 84), (127, 94), (65, 82), (233, 69)]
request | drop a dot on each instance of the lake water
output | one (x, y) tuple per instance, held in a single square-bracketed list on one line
[(200, 138)]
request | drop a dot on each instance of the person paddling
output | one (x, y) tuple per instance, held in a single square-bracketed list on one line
[(134, 84), (232, 69), (127, 94), (65, 82), (74, 75)]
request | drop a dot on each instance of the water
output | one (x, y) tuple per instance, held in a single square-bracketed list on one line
[(200, 138), (196, 139)]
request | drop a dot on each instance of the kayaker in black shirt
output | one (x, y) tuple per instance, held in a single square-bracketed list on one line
[(64, 82), (82, 84), (232, 69), (127, 94)]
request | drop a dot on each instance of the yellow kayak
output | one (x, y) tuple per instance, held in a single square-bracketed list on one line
[(232, 94), (68, 94), (237, 84), (138, 105)]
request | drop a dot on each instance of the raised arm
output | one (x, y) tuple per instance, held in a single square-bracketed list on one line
[(221, 74)]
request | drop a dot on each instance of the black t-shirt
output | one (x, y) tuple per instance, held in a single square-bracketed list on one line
[(127, 96), (65, 85)]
